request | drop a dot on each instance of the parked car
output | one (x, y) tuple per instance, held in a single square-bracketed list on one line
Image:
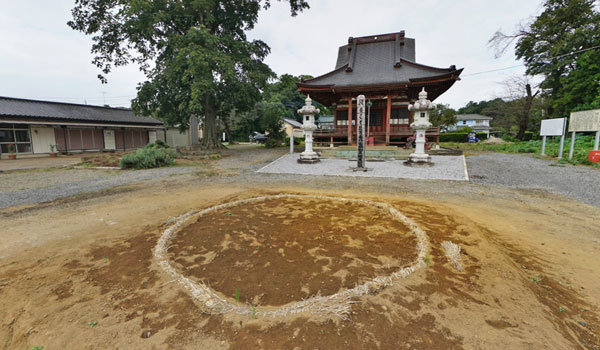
[(259, 138)]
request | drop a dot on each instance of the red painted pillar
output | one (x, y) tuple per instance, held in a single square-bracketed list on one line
[(350, 120), (387, 120)]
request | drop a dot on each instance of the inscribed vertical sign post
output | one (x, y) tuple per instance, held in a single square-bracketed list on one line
[(360, 112)]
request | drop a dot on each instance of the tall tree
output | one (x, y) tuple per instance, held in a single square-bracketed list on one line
[(552, 43), (194, 53), (519, 91)]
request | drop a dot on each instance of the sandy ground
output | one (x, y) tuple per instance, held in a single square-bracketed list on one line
[(78, 272)]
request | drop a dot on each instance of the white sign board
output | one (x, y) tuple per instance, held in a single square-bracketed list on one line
[(553, 127), (585, 121)]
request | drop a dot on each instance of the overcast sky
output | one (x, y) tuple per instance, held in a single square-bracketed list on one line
[(42, 58)]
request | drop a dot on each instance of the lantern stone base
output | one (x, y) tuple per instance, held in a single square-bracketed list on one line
[(419, 160), (309, 158)]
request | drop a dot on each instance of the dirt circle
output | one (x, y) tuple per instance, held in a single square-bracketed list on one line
[(283, 254)]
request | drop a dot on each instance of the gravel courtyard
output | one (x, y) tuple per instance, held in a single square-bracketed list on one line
[(519, 171), (444, 168), (241, 163)]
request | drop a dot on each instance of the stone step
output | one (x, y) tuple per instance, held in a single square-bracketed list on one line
[(371, 153)]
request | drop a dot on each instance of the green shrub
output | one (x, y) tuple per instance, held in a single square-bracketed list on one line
[(528, 136), (460, 136), (272, 143), (147, 158), (157, 144)]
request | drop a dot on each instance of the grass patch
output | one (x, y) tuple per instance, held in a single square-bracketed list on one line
[(583, 144)]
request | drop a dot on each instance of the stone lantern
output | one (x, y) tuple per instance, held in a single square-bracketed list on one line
[(308, 112), (421, 123)]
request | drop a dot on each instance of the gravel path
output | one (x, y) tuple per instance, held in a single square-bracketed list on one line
[(519, 171), (239, 164), (27, 180), (42, 186)]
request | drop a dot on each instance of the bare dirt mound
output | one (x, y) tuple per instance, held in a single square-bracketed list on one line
[(110, 292), (281, 250)]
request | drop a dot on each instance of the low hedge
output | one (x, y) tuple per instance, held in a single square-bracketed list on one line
[(528, 136), (147, 158), (460, 136), (297, 140)]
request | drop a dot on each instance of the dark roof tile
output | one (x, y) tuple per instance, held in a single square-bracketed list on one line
[(24, 108), (374, 63)]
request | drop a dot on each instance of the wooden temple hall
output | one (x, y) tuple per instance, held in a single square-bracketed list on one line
[(383, 68)]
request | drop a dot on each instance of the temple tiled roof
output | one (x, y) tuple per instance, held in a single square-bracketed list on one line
[(386, 59)]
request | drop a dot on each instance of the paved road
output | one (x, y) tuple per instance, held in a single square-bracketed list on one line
[(521, 171)]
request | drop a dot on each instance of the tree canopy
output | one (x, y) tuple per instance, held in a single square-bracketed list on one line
[(195, 54), (280, 97), (442, 115), (581, 88), (284, 93)]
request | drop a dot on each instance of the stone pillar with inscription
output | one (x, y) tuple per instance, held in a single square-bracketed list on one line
[(421, 123), (360, 137), (308, 112)]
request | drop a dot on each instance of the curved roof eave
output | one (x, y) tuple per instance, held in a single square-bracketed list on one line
[(448, 72), (324, 75), (453, 75)]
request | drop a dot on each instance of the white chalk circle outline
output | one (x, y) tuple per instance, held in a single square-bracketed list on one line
[(335, 305)]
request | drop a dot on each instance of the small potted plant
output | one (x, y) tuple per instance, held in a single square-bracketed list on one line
[(53, 153), (12, 151)]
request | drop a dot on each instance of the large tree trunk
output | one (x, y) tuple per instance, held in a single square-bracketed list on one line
[(524, 123), (227, 128), (210, 139)]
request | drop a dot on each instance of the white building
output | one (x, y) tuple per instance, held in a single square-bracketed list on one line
[(477, 122)]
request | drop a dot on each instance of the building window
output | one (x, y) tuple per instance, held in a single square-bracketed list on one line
[(400, 116), (17, 135), (376, 118), (464, 122), (342, 117)]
